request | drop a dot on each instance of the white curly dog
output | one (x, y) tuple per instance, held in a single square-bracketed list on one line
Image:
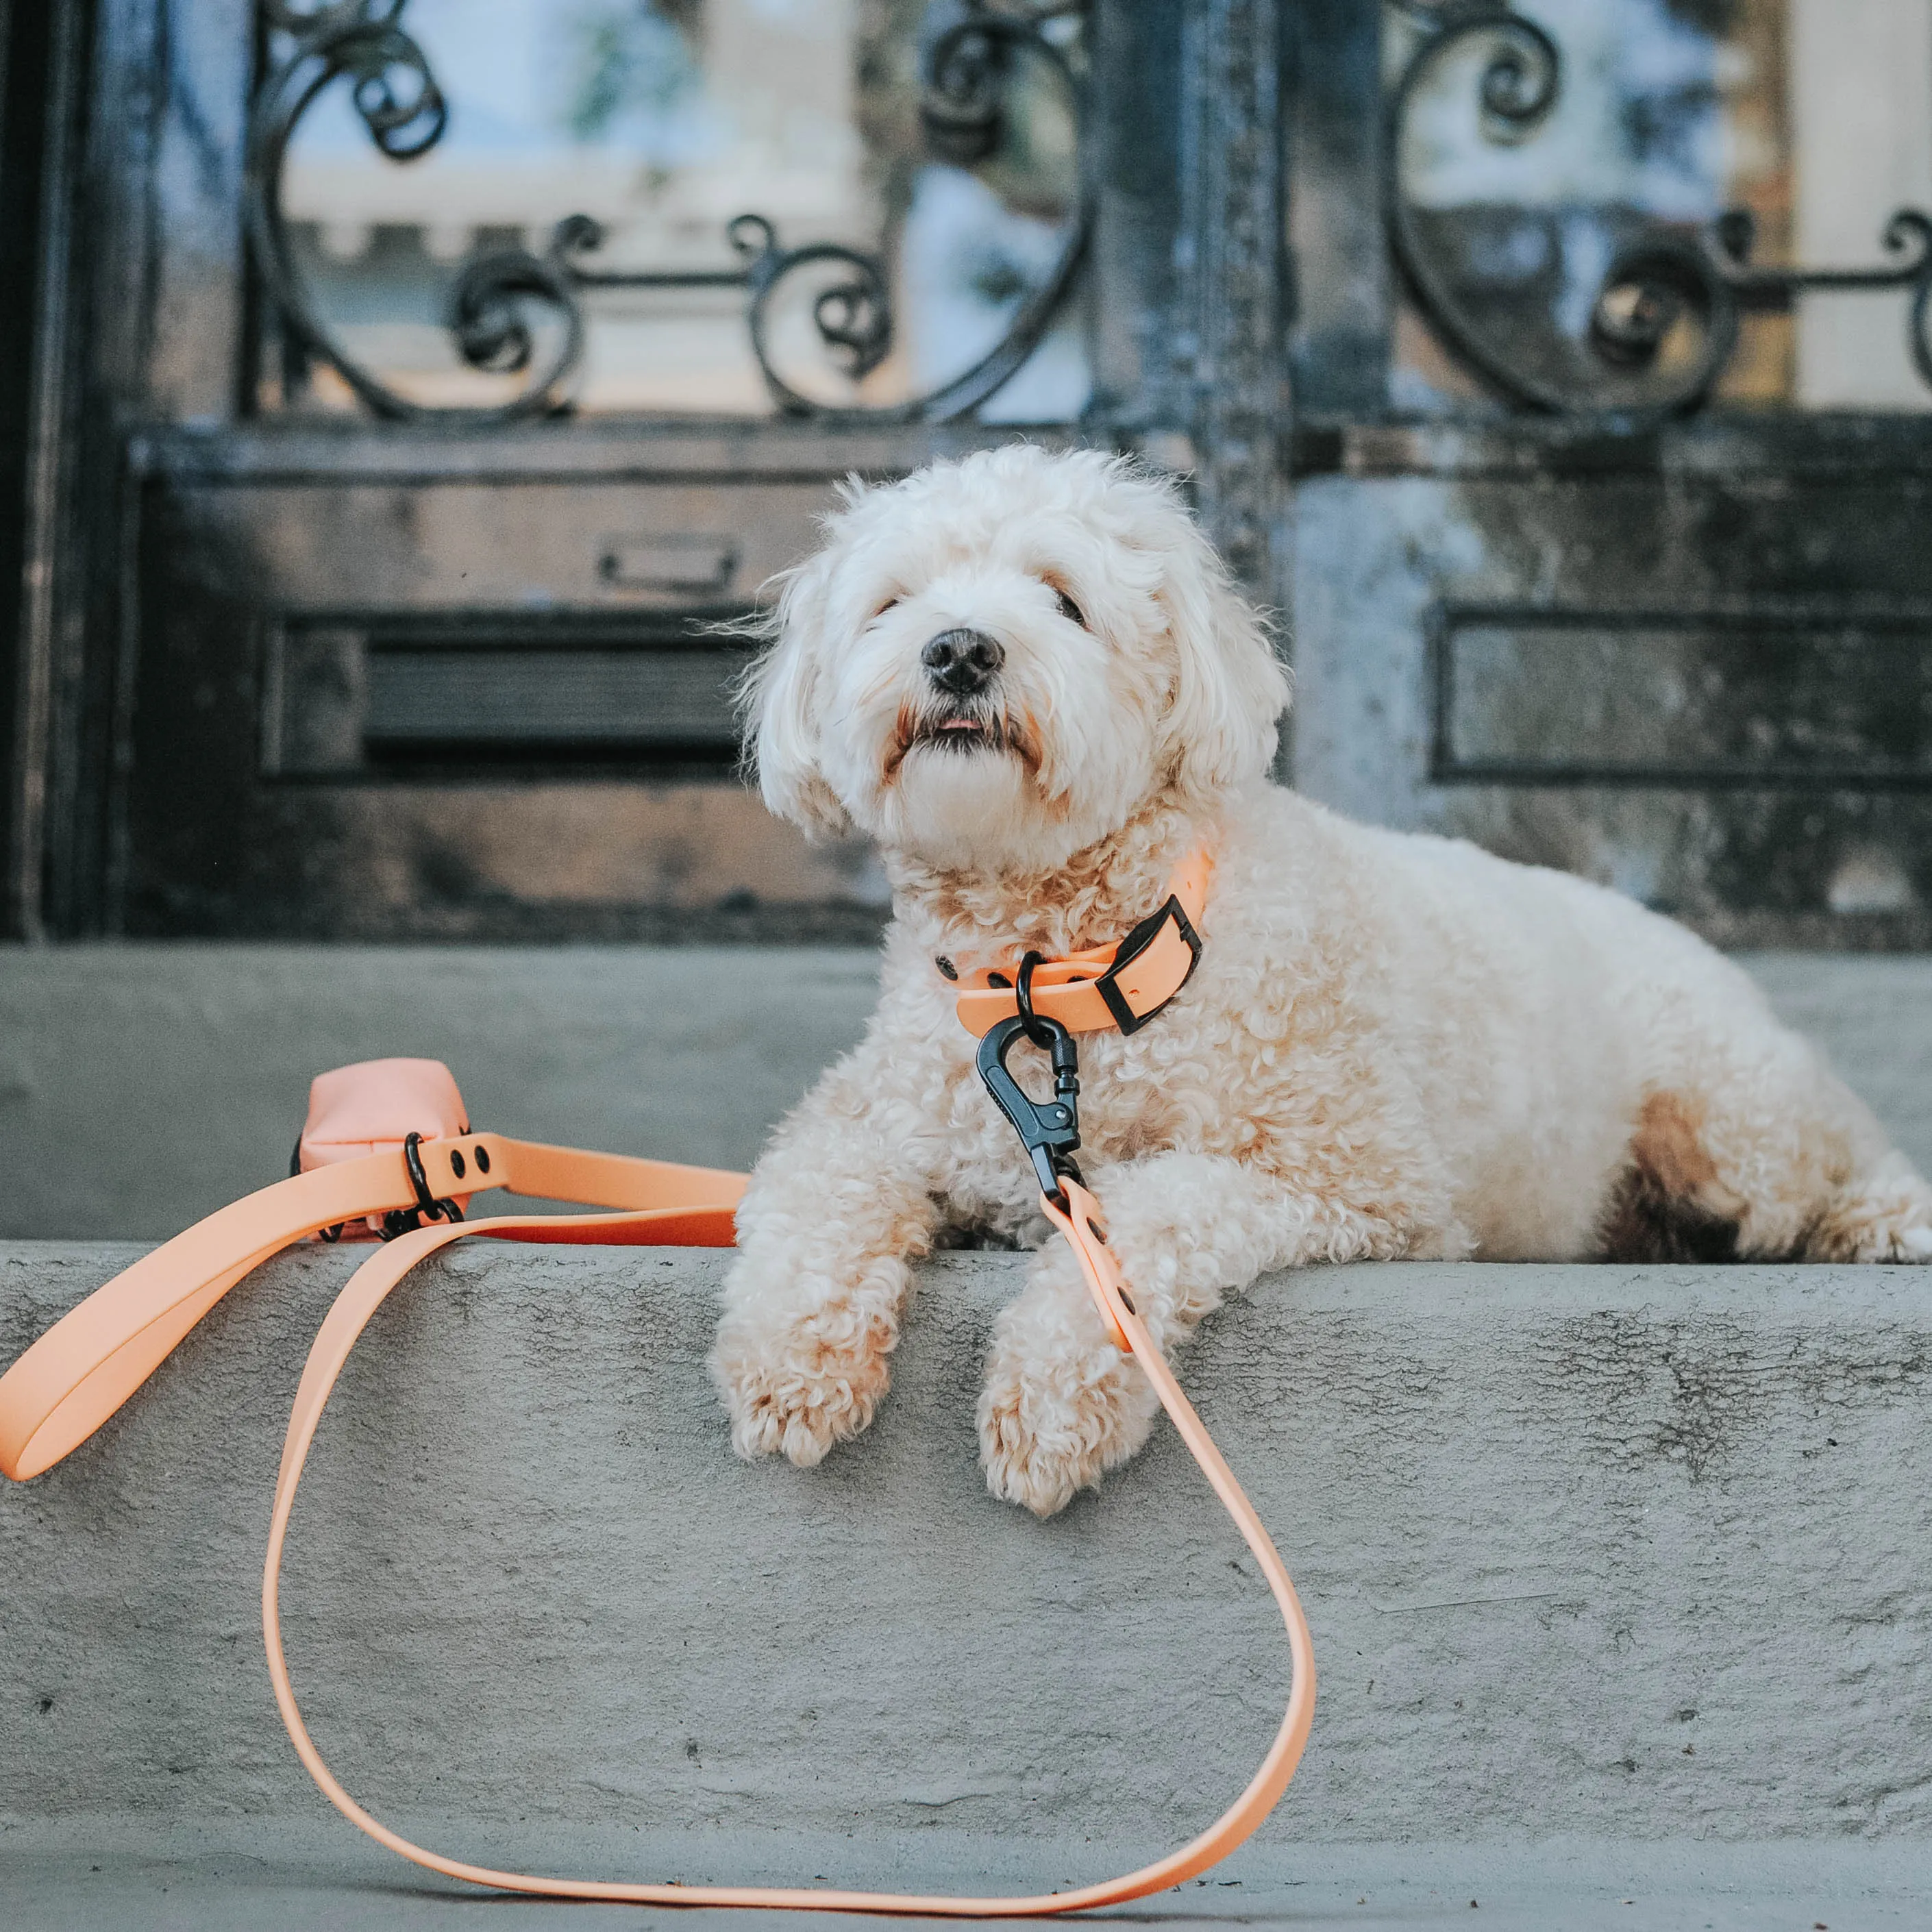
[(1028, 676)]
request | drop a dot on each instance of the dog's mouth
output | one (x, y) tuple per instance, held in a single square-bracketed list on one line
[(962, 733), (956, 734)]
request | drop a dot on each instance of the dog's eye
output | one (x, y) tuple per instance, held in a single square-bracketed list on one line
[(1070, 610), (890, 603)]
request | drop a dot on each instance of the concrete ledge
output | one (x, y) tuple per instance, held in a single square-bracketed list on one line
[(1625, 1555)]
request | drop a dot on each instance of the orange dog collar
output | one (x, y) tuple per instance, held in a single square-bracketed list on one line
[(1123, 986), (422, 1161)]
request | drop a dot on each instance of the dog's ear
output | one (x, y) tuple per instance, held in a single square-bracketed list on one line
[(1230, 687), (777, 699)]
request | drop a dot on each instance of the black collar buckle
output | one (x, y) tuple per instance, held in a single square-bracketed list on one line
[(1131, 948)]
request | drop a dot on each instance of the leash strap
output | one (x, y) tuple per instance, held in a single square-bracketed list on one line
[(1077, 1216), (97, 1355)]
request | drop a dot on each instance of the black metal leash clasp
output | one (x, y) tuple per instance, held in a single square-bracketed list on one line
[(1049, 1130)]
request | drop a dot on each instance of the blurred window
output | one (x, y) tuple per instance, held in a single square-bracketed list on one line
[(1800, 126), (665, 122)]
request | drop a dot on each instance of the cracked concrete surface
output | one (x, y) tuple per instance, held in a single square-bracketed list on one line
[(1620, 1553)]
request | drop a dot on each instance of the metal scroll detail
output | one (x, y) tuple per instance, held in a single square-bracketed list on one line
[(962, 112), (1665, 279)]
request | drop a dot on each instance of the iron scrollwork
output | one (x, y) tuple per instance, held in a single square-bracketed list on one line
[(1665, 278), (392, 88)]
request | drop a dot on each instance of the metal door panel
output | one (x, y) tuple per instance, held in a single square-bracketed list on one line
[(442, 704), (312, 668), (1706, 688), (506, 544)]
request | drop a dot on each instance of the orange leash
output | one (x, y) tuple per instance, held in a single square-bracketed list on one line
[(1078, 1222), (75, 1376)]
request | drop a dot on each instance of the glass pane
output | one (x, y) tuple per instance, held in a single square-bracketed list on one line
[(713, 143), (1860, 95), (1616, 204)]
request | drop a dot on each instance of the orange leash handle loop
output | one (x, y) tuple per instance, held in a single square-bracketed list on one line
[(1079, 1221), (77, 1374)]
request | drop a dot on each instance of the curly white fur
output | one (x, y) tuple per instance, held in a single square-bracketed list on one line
[(1395, 1045)]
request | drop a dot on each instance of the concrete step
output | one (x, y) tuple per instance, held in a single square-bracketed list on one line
[(1614, 1575), (245, 1879), (141, 1086)]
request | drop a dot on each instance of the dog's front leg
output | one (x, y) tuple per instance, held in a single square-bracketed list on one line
[(838, 1207), (1061, 1404)]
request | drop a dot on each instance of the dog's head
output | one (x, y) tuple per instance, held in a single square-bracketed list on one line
[(999, 660)]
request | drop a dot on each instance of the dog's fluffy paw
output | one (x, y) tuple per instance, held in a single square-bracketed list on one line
[(796, 1385), (1901, 1238), (1050, 1425), (1889, 1219)]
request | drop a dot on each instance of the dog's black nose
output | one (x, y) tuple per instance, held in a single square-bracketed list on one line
[(962, 662)]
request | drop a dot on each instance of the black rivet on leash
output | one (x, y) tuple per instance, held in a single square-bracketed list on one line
[(482, 1160), (946, 966), (456, 1162)]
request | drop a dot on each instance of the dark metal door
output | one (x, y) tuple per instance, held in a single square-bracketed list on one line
[(1553, 365), (428, 641)]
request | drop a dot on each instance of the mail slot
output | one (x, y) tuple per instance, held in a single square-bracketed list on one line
[(346, 698), (696, 566)]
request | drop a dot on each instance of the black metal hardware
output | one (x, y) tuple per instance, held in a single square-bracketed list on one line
[(1668, 275), (1131, 948), (406, 1220), (1035, 1028), (1048, 1130), (967, 69)]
